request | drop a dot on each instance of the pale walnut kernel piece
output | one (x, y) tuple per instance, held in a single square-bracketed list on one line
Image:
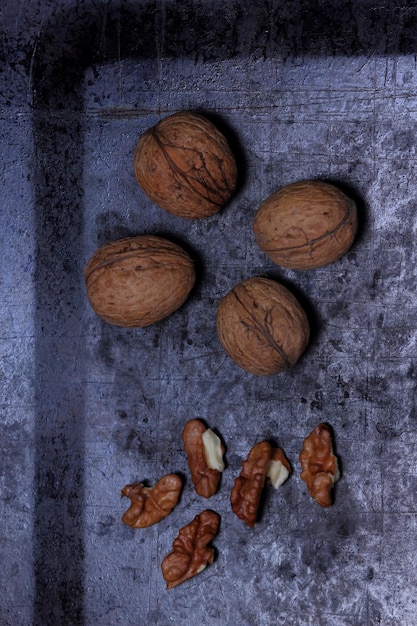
[(213, 450), (191, 552), (247, 489), (279, 468), (150, 505), (205, 457), (319, 465)]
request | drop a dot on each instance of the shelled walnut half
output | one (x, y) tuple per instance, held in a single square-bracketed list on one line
[(191, 552), (262, 462), (247, 488), (205, 452), (150, 505), (320, 468)]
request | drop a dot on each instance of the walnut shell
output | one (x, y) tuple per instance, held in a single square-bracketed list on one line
[(262, 326), (306, 225), (137, 281), (185, 165)]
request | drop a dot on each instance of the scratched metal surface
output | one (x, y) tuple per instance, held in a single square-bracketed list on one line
[(323, 90)]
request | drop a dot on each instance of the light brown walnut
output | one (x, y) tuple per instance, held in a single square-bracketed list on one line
[(137, 281), (247, 488), (185, 165), (262, 326), (191, 552), (150, 505), (205, 471), (319, 465), (306, 225)]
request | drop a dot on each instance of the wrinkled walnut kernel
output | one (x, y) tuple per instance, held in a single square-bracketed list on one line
[(190, 551), (247, 489), (204, 451), (319, 465), (150, 505)]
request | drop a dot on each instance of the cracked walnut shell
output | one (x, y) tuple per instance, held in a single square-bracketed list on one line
[(262, 326), (306, 225), (137, 281), (185, 165)]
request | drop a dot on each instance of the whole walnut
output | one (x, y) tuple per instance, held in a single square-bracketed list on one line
[(137, 281), (306, 225), (262, 326), (185, 165)]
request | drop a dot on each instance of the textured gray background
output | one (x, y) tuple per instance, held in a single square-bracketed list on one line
[(321, 89)]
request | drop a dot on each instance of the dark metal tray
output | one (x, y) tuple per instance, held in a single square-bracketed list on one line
[(322, 89)]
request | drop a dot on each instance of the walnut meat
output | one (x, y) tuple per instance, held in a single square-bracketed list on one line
[(247, 488), (185, 165), (319, 465), (306, 225), (279, 468), (150, 505), (138, 281), (262, 326), (205, 457), (191, 552)]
